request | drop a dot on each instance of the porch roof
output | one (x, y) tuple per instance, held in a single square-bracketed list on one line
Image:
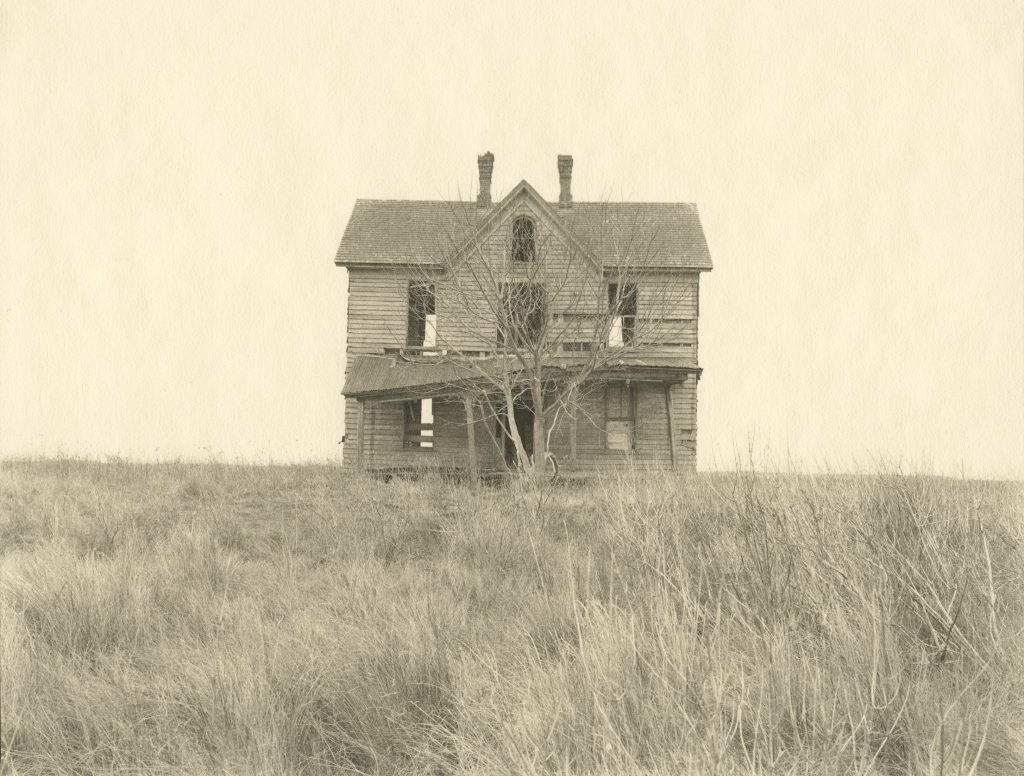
[(396, 376)]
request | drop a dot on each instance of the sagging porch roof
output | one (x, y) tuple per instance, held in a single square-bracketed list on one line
[(397, 377)]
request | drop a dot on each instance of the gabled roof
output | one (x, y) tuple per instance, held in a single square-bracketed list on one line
[(418, 232)]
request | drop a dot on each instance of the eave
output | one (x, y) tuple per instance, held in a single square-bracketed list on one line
[(391, 378)]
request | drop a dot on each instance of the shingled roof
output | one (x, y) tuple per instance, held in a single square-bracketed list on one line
[(418, 232)]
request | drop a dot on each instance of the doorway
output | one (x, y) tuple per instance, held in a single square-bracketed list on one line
[(523, 414)]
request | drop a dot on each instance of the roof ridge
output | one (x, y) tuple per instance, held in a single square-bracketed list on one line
[(424, 201), (626, 202), (548, 201)]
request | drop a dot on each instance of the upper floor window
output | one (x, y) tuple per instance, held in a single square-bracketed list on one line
[(422, 326), (622, 308), (523, 239)]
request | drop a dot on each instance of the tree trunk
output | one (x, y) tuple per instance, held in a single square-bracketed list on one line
[(540, 440), (512, 429)]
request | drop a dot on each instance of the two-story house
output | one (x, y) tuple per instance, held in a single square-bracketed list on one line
[(453, 304)]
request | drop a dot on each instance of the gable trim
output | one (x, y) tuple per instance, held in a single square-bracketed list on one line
[(503, 209)]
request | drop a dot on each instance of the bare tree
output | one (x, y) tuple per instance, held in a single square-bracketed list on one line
[(539, 315)]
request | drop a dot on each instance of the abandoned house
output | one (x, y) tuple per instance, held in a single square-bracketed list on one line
[(483, 331)]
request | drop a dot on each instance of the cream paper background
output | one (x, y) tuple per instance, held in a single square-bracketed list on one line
[(175, 178)]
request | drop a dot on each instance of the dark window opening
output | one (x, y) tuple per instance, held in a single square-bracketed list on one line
[(523, 314), (418, 433), (422, 328), (523, 243), (622, 308)]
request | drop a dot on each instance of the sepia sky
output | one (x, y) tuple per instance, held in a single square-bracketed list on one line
[(175, 178)]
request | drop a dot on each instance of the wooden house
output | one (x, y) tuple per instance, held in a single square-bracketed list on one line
[(419, 357)]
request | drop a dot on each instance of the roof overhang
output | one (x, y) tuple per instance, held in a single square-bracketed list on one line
[(391, 378), (395, 265)]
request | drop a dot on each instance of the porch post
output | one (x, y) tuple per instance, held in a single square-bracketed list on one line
[(572, 437), (671, 425), (360, 425), (467, 401)]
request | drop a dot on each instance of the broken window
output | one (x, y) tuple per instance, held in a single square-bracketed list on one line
[(523, 314), (618, 411), (422, 328), (523, 244), (622, 308), (419, 425)]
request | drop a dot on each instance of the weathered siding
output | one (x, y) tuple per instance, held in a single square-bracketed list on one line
[(384, 433), (650, 435), (668, 313), (650, 432), (378, 304), (684, 402), (377, 309)]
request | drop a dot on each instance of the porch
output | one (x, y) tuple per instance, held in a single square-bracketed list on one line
[(411, 414)]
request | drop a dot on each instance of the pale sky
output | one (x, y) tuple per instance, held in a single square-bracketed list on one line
[(175, 178)]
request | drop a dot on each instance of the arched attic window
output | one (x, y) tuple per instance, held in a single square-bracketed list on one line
[(523, 240)]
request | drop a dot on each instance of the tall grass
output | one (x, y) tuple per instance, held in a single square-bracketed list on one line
[(180, 618)]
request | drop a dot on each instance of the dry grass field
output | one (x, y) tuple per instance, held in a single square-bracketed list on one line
[(179, 618)]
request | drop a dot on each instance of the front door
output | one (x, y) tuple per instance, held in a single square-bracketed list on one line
[(523, 413)]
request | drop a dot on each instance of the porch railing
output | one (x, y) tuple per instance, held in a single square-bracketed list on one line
[(418, 436)]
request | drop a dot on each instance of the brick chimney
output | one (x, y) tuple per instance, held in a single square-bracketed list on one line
[(565, 178), (485, 162)]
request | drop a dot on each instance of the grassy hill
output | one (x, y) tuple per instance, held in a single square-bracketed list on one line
[(181, 618)]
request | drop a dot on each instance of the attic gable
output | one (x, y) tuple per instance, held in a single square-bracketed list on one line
[(524, 200)]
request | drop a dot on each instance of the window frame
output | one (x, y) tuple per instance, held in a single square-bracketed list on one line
[(523, 246), (417, 436), (623, 305), (418, 319)]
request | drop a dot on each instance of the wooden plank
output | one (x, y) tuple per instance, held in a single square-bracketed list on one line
[(671, 432), (415, 440)]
